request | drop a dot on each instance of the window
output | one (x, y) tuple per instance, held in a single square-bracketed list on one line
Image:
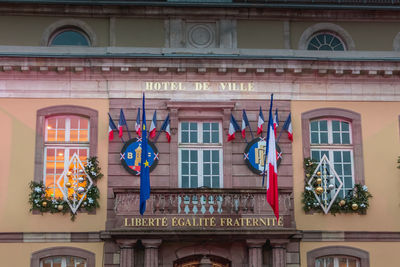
[(337, 256), (200, 154), (326, 37), (71, 32), (64, 137), (63, 261), (336, 133), (63, 257), (337, 261), (332, 137), (61, 132), (70, 36), (326, 41)]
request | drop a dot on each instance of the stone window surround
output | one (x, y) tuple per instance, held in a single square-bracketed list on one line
[(362, 255), (62, 251), (329, 27), (54, 28), (355, 120), (44, 113)]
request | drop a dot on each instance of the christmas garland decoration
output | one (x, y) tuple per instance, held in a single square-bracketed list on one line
[(356, 201), (41, 200)]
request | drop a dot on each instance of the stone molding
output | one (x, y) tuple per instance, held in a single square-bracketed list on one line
[(362, 255), (52, 29), (63, 251), (326, 27), (354, 118)]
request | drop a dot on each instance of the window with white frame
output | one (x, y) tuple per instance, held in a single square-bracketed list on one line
[(64, 136), (337, 261), (200, 154), (63, 261), (333, 138)]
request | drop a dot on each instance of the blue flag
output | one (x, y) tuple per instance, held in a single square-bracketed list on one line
[(144, 166)]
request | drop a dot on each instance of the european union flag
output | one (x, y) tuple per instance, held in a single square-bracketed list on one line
[(144, 166)]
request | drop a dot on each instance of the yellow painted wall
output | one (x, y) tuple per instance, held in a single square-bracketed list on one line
[(140, 32), (28, 30), (19, 254), (380, 253), (360, 32), (381, 147), (17, 146), (260, 34)]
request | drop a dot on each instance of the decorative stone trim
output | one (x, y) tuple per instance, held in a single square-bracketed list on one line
[(328, 27), (66, 23), (44, 113), (362, 255), (63, 251), (348, 115)]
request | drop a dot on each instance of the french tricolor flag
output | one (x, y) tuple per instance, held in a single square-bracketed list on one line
[(288, 127), (121, 123), (153, 126), (233, 128), (137, 123), (111, 127), (166, 127), (276, 121), (260, 122), (245, 123), (270, 166)]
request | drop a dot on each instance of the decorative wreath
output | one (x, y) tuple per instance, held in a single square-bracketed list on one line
[(42, 200), (356, 200)]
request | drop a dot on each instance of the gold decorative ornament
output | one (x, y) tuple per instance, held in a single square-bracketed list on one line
[(60, 207), (342, 203), (354, 206), (68, 184), (44, 204), (319, 181), (319, 173), (319, 190), (69, 173), (308, 175)]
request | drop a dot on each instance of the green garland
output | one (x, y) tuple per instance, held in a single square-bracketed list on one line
[(41, 201), (356, 201)]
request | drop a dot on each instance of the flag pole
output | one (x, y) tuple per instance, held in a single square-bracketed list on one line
[(126, 126)]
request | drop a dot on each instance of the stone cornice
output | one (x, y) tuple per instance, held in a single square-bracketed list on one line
[(109, 60), (264, 11)]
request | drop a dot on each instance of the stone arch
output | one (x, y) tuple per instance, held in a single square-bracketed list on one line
[(362, 255), (62, 251)]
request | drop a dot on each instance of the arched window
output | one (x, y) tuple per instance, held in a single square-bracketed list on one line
[(69, 36), (63, 131), (63, 257), (335, 133), (325, 41), (326, 37), (69, 32), (337, 256)]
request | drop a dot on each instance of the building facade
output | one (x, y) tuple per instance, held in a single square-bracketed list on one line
[(66, 66)]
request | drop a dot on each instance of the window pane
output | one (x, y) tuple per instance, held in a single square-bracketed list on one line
[(185, 137), (215, 137), (193, 126), (185, 168), (314, 138), (185, 155), (51, 135), (74, 122), (73, 136), (215, 182), (346, 156), (215, 156), (185, 181), (193, 137), (336, 138), (337, 156), (215, 126), (348, 182), (323, 125), (215, 168), (193, 155), (345, 126), (207, 181), (83, 136), (336, 126), (185, 126), (206, 169), (206, 137), (206, 156), (193, 182), (70, 37), (206, 126), (345, 138), (314, 126), (193, 168), (324, 138), (347, 169)]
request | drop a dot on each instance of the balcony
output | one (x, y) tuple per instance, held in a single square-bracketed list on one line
[(212, 210)]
